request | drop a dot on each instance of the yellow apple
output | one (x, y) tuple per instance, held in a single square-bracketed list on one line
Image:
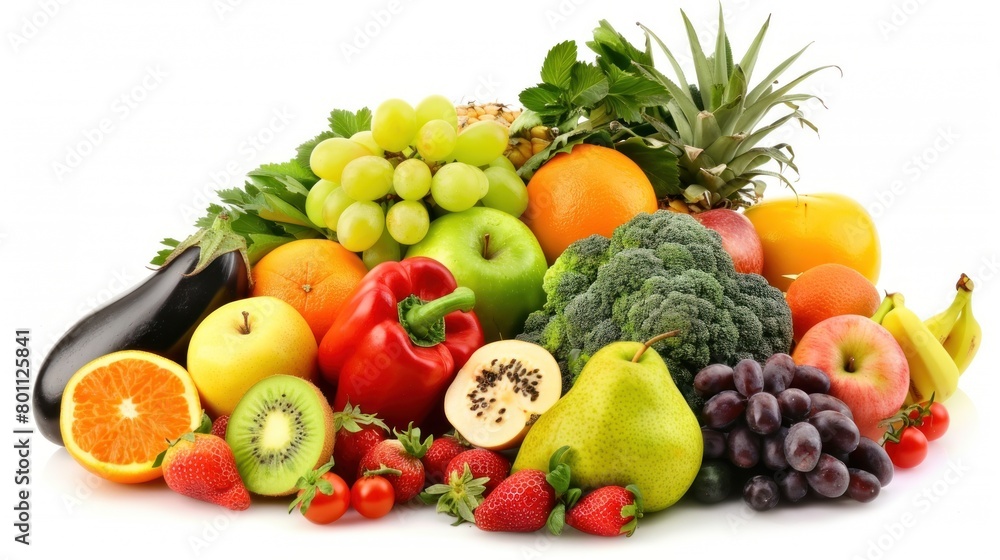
[(243, 342)]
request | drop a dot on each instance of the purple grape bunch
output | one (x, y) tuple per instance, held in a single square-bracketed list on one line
[(776, 426)]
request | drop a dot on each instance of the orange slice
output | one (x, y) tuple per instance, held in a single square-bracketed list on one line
[(118, 411)]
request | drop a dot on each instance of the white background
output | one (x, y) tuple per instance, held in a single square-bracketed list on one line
[(909, 131)]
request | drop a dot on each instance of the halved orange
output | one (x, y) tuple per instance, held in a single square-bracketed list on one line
[(119, 410)]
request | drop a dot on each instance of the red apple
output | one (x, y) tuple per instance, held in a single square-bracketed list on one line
[(866, 366), (739, 238)]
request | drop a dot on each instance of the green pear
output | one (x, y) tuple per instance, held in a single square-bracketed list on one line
[(625, 423)]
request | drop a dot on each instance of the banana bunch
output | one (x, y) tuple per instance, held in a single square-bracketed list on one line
[(937, 350), (956, 328)]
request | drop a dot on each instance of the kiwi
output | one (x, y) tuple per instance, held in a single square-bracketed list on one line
[(500, 392), (280, 430)]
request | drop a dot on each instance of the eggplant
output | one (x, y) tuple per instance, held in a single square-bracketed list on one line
[(159, 316)]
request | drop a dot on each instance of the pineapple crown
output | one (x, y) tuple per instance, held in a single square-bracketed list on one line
[(712, 124)]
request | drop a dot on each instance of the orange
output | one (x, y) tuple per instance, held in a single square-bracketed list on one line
[(590, 190), (315, 276), (826, 291), (119, 410), (800, 233)]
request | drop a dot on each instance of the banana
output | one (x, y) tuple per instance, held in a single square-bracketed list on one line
[(962, 342), (931, 368), (941, 324)]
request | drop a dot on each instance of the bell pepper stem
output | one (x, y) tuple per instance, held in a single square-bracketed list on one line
[(424, 321)]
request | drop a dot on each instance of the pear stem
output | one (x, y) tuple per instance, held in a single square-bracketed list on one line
[(653, 341)]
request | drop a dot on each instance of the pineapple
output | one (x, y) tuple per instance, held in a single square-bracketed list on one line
[(713, 125), (522, 145)]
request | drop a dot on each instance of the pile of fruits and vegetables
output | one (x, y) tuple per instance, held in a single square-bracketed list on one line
[(578, 311)]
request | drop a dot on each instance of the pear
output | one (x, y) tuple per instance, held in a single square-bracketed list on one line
[(625, 423)]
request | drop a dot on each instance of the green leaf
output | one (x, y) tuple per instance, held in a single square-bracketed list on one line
[(678, 72), (205, 427), (701, 65), (628, 94), (291, 168), (563, 144), (721, 60), (679, 96), (345, 124), (246, 224), (755, 112), (305, 149), (557, 68), (262, 244), (557, 519), (324, 486), (706, 129), (527, 120), (588, 86), (764, 86), (162, 255), (271, 207), (231, 196), (659, 164), (750, 57), (543, 99), (212, 242), (616, 49), (279, 184)]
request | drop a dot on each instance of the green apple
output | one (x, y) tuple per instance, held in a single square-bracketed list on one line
[(243, 342), (496, 256)]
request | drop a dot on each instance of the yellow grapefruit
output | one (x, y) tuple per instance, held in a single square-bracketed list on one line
[(798, 233)]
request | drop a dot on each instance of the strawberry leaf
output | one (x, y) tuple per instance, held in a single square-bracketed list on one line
[(557, 519), (411, 441), (206, 425), (351, 419)]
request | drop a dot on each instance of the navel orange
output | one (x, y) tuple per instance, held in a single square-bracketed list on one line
[(315, 276), (589, 190)]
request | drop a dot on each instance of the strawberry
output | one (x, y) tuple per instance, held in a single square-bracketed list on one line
[(220, 425), (403, 454), (471, 475), (202, 466), (607, 512), (529, 499), (483, 463), (440, 453), (357, 434)]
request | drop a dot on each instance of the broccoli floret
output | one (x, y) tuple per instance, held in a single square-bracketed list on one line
[(574, 271), (657, 273)]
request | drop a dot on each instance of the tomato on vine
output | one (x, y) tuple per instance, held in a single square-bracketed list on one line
[(909, 451), (935, 423), (323, 496), (909, 431)]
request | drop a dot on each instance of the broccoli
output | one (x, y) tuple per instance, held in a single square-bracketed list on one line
[(657, 273)]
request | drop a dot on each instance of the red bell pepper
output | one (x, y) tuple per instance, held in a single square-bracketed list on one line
[(399, 340)]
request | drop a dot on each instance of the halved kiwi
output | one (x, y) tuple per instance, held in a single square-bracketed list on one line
[(500, 392), (280, 430)]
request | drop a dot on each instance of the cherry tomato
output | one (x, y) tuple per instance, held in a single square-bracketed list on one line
[(325, 507), (936, 423), (373, 496), (911, 449)]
